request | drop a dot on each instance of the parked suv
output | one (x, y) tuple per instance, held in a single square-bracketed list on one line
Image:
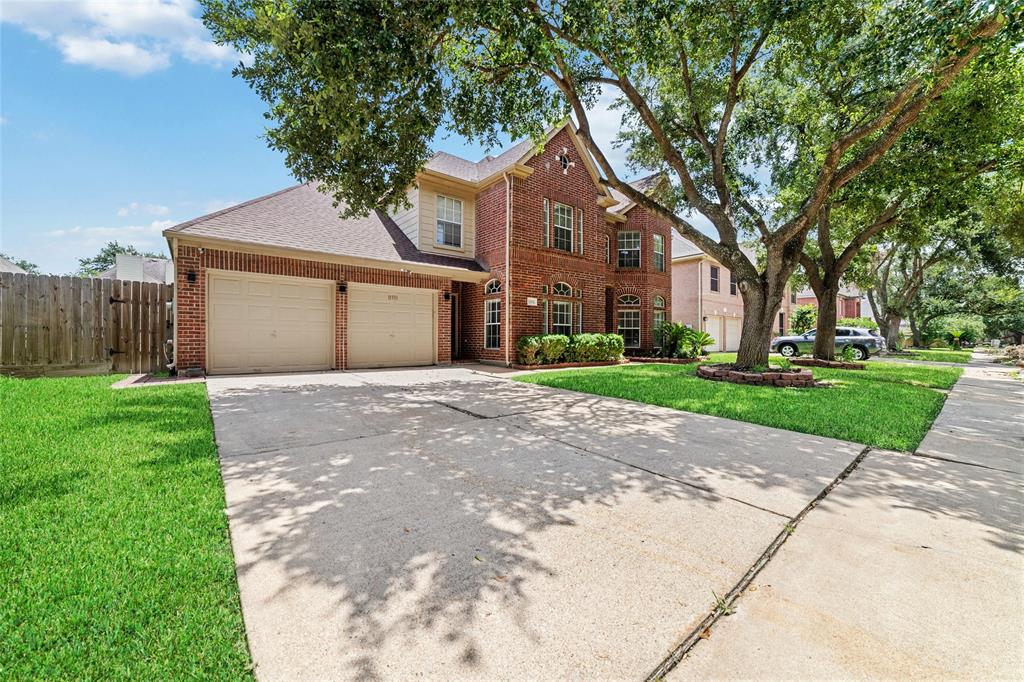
[(863, 342)]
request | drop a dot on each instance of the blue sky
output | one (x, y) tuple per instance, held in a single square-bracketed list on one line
[(119, 119)]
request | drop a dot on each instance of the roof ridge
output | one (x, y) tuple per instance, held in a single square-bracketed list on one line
[(235, 207)]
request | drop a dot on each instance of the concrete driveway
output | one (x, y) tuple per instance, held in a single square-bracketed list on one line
[(445, 523)]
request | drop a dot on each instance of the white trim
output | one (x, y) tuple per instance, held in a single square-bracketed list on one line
[(439, 200), (555, 227), (487, 324)]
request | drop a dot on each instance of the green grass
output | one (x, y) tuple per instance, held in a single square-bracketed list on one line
[(114, 554), (961, 357), (888, 405)]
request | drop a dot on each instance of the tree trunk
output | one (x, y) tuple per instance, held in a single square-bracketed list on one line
[(825, 337), (756, 336), (915, 332), (892, 331)]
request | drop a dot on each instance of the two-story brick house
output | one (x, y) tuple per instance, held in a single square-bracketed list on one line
[(706, 296), (524, 242)]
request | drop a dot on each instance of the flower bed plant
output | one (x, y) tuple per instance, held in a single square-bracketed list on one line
[(576, 350)]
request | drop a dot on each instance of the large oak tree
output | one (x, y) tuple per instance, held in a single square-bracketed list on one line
[(357, 89)]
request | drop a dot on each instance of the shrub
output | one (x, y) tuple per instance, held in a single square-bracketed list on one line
[(552, 347), (673, 337), (938, 343), (528, 350), (804, 317), (698, 342), (858, 322)]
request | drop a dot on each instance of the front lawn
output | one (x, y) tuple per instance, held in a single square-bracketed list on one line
[(114, 553), (961, 357), (888, 405)]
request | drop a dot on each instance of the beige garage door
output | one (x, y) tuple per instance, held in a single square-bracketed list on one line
[(713, 326), (267, 323), (390, 326), (733, 327)]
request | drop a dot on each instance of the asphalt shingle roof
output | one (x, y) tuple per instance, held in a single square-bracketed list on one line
[(301, 217), (8, 266)]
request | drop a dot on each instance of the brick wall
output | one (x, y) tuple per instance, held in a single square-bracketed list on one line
[(190, 297), (535, 265)]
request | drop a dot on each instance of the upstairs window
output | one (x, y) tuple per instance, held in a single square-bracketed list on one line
[(449, 221), (629, 249), (659, 253), (714, 278), (732, 283), (563, 228)]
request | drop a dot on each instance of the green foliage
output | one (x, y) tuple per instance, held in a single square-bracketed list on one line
[(528, 350), (29, 267), (107, 257), (857, 322), (957, 330), (681, 341), (550, 349), (846, 354), (804, 317), (114, 550)]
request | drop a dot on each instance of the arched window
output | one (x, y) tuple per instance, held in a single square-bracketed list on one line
[(562, 289), (492, 287), (629, 299), (659, 302), (629, 320)]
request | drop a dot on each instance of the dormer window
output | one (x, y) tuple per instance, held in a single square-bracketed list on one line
[(449, 221)]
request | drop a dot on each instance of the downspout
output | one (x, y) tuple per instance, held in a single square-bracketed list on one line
[(700, 295), (173, 365), (508, 271)]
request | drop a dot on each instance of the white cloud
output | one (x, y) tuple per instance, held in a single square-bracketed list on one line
[(3, 120), (135, 208), (126, 232), (126, 58), (130, 37)]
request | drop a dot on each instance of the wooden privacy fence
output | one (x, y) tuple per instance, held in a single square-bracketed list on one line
[(74, 325)]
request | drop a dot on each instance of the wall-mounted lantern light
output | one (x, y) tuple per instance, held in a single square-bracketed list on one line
[(191, 276), (342, 287)]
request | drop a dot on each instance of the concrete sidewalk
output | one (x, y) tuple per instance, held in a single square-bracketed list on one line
[(913, 567)]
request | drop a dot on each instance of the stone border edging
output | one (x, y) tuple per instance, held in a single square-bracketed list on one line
[(796, 378), (669, 361), (569, 365), (830, 364)]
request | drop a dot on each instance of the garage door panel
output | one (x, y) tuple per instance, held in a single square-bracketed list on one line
[(391, 326), (260, 323)]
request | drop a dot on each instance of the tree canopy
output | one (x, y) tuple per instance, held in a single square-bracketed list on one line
[(811, 94), (27, 266)]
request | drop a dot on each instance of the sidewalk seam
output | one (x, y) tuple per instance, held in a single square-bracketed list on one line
[(691, 640)]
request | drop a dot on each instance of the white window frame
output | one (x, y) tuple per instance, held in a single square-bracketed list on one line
[(561, 309), (570, 226), (607, 250), (492, 287), (634, 318), (635, 239), (629, 300), (659, 253), (561, 289), (544, 311), (579, 318), (657, 319), (492, 319), (449, 213), (715, 278), (580, 211), (733, 284)]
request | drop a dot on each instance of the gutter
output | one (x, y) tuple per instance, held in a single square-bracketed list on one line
[(508, 267)]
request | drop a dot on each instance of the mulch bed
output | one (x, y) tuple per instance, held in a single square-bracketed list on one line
[(795, 378), (670, 361), (569, 365), (831, 364)]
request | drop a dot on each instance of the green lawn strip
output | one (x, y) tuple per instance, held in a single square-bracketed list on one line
[(114, 551), (937, 355), (888, 405)]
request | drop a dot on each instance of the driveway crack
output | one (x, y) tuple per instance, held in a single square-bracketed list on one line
[(726, 602)]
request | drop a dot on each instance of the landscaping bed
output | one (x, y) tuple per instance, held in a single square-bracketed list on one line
[(669, 361), (831, 364), (114, 550), (570, 365), (775, 376)]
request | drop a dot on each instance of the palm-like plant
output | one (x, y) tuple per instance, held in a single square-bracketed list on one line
[(699, 341)]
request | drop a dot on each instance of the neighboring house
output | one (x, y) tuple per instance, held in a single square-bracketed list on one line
[(8, 266), (525, 242), (706, 296), (848, 302), (140, 269)]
